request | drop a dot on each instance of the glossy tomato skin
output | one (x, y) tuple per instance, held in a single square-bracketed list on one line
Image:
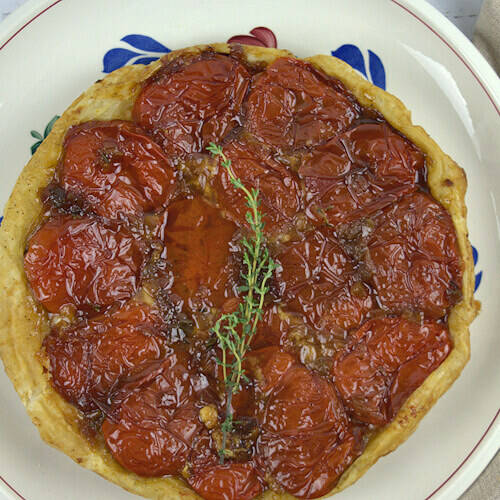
[(91, 360), (292, 105), (272, 329), (200, 250), (214, 481), (84, 263), (318, 279), (153, 427), (362, 170), (306, 441), (189, 103), (115, 169), (384, 362), (234, 481), (279, 191), (415, 259)]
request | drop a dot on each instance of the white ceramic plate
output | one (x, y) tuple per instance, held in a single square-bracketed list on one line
[(50, 51)]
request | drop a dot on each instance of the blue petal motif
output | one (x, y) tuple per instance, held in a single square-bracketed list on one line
[(145, 60), (146, 43), (377, 71), (479, 275), (116, 58), (1, 219), (352, 56), (150, 50)]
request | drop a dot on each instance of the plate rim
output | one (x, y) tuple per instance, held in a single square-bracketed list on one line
[(469, 469)]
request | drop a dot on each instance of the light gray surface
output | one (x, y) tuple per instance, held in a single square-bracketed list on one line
[(463, 13)]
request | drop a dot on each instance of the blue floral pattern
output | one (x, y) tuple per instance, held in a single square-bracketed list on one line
[(353, 56), (479, 275), (149, 50)]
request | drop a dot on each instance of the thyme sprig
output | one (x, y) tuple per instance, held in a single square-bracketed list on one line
[(234, 331)]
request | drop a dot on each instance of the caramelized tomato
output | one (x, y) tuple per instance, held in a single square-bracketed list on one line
[(292, 105), (154, 427), (235, 481), (83, 262), (115, 169), (91, 360), (200, 250), (415, 257), (272, 329), (362, 170), (188, 104), (268, 365), (279, 191), (384, 362), (317, 279), (213, 481), (305, 441)]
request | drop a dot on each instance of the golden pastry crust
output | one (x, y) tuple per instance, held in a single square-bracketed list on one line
[(24, 324)]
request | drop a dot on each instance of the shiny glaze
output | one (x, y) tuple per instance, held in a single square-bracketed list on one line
[(292, 105), (316, 279), (305, 441), (199, 248), (115, 169), (154, 426), (279, 190), (414, 253), (91, 360), (355, 318), (384, 362), (186, 106), (368, 167), (84, 263), (213, 481)]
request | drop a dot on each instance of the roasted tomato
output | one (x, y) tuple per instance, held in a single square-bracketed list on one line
[(272, 329), (317, 278), (415, 257), (306, 441), (268, 365), (384, 362), (279, 191), (189, 103), (151, 432), (362, 170), (234, 481), (83, 262), (91, 360), (292, 105), (215, 481), (202, 255), (115, 169)]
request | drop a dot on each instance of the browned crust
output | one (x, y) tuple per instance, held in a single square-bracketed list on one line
[(23, 324)]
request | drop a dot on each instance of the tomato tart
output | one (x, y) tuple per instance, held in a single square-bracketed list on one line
[(124, 242)]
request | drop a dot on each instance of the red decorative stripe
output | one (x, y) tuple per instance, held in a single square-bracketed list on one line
[(454, 51), (29, 22), (10, 487), (466, 458)]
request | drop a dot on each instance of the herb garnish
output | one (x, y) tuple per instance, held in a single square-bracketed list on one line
[(235, 331)]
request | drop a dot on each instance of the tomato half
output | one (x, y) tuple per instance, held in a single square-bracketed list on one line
[(384, 362), (292, 105), (83, 262), (189, 103)]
